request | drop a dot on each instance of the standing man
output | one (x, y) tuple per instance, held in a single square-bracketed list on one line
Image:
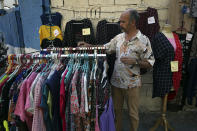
[(133, 51)]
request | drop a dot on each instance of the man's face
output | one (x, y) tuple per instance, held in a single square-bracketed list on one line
[(125, 24)]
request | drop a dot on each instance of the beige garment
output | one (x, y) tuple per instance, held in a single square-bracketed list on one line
[(131, 95)]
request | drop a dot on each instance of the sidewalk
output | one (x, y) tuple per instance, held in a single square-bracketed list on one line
[(180, 121)]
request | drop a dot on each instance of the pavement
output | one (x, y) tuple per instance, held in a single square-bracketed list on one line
[(180, 121)]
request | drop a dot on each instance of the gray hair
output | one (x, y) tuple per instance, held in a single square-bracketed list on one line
[(133, 15)]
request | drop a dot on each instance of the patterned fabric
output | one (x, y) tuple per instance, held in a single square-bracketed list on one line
[(23, 98), (177, 75), (62, 101), (138, 47), (38, 121), (82, 105), (68, 87), (74, 99), (50, 33), (30, 105), (162, 75)]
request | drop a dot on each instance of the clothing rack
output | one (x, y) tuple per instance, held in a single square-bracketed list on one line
[(74, 49), (59, 54), (55, 55)]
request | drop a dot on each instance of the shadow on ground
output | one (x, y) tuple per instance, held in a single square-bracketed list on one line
[(180, 121)]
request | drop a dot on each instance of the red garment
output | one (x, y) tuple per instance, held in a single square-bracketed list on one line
[(62, 102), (177, 75)]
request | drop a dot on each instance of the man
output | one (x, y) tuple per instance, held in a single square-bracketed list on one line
[(133, 51)]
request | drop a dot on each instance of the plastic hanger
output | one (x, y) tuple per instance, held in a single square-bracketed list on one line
[(17, 67), (11, 63)]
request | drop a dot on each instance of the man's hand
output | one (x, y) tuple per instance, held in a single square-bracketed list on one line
[(83, 44), (128, 60)]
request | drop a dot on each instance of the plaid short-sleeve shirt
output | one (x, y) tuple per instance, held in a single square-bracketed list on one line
[(139, 47)]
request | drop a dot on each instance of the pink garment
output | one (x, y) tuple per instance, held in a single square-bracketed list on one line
[(74, 106), (62, 102), (82, 106), (22, 99), (38, 121), (172, 41), (29, 84)]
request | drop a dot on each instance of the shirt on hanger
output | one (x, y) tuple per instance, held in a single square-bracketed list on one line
[(50, 33)]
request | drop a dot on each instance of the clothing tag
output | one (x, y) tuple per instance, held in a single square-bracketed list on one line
[(56, 33), (86, 31), (174, 66), (151, 20), (189, 36)]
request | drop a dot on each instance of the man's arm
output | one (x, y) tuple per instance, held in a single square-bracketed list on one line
[(84, 44), (110, 46)]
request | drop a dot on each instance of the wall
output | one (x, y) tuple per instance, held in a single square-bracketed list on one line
[(168, 10), (111, 9)]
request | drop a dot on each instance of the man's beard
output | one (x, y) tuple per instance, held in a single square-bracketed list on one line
[(122, 29)]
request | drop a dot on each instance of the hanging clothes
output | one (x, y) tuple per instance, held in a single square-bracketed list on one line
[(191, 89), (149, 28), (73, 32), (22, 100), (47, 97), (107, 117), (162, 76), (50, 35), (56, 19), (177, 75), (105, 32)]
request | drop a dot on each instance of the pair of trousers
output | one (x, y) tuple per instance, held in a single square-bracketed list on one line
[(131, 95)]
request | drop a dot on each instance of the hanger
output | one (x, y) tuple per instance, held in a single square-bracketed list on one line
[(112, 20), (77, 18), (182, 30), (142, 5), (17, 67), (11, 63)]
